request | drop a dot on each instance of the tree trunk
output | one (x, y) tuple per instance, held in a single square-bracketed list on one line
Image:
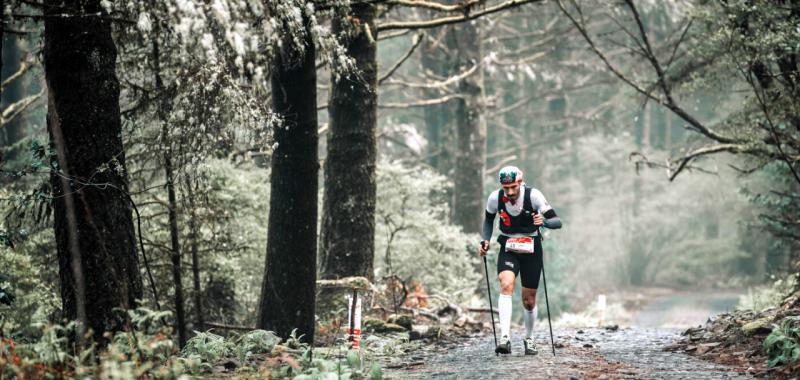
[(470, 131), (92, 216), (438, 118), (288, 291), (180, 316), (172, 204), (198, 291), (348, 232)]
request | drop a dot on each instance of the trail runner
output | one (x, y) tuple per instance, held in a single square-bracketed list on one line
[(522, 211)]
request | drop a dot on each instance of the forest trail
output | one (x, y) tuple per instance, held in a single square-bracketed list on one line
[(593, 353), (628, 353)]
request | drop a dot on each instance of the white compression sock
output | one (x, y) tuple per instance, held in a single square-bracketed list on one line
[(504, 309), (530, 320)]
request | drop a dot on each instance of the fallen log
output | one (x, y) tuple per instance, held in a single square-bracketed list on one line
[(481, 310), (228, 327), (421, 312)]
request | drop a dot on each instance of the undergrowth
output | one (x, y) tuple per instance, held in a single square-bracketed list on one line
[(782, 345), (146, 351)]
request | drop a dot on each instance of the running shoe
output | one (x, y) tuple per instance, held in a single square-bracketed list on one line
[(530, 346), (504, 347)]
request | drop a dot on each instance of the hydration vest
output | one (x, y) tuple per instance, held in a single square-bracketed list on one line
[(523, 222)]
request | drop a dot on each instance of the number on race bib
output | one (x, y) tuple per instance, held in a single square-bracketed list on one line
[(520, 245)]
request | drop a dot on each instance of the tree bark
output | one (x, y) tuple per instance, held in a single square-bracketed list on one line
[(180, 315), (288, 291), (172, 204), (348, 232), (92, 216), (438, 118), (198, 291), (470, 130)]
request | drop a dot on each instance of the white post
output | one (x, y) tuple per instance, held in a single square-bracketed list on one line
[(354, 319)]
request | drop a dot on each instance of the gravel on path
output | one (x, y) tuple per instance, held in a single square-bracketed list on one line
[(627, 353)]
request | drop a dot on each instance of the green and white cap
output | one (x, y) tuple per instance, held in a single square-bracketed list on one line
[(510, 174)]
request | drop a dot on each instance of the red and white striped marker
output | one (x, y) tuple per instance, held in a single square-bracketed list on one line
[(354, 333)]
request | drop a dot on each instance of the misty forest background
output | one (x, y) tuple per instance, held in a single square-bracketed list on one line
[(179, 146)]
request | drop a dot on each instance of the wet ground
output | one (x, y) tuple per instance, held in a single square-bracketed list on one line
[(627, 353)]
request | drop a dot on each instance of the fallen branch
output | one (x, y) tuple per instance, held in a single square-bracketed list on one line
[(481, 310), (421, 312), (228, 327)]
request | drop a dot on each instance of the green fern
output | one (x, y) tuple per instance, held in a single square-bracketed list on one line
[(255, 342), (208, 346), (782, 346)]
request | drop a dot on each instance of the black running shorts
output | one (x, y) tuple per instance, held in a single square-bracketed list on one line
[(529, 264)]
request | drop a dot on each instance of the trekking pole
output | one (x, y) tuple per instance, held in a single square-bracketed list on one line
[(491, 308), (547, 302)]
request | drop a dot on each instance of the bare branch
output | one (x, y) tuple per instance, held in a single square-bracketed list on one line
[(500, 164), (439, 84), (420, 103), (423, 24), (386, 36), (763, 104), (15, 109), (436, 6), (417, 40), (26, 65), (668, 102)]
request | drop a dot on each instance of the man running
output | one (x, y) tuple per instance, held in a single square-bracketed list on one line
[(520, 248)]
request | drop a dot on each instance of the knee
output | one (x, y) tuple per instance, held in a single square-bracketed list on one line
[(529, 301), (506, 287)]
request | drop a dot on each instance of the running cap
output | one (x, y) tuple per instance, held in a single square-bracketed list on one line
[(510, 174)]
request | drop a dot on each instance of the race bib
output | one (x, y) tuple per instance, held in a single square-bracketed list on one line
[(520, 245)]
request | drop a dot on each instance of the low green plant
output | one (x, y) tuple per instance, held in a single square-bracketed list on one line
[(145, 350), (782, 346), (255, 342), (208, 346)]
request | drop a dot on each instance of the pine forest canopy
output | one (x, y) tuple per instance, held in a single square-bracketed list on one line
[(217, 158)]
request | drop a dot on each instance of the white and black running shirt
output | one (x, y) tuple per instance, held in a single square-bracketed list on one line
[(538, 202)]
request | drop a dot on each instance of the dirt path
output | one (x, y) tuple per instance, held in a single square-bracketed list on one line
[(628, 353)]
